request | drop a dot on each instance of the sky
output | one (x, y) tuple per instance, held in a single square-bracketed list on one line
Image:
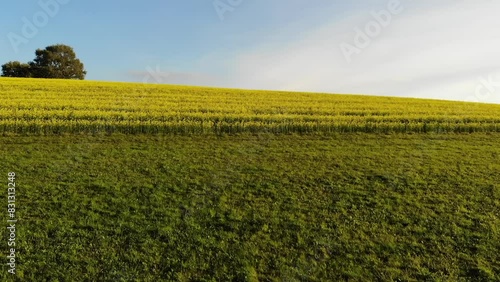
[(447, 49)]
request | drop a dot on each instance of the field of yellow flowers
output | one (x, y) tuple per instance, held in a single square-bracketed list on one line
[(57, 107)]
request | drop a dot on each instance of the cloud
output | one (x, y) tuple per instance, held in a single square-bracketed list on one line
[(158, 76), (430, 51)]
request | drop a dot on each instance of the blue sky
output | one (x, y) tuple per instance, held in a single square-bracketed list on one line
[(444, 50)]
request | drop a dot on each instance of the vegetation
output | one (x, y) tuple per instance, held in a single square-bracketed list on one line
[(357, 207), (128, 182), (47, 107), (56, 61), (16, 69)]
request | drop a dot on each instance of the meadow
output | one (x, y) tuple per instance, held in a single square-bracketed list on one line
[(132, 182)]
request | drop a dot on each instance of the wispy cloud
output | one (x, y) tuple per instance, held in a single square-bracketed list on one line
[(156, 75), (444, 50), (427, 51)]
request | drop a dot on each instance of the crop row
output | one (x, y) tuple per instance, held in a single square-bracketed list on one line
[(186, 127)]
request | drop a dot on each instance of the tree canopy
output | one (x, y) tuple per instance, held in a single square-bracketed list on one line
[(55, 61), (16, 69)]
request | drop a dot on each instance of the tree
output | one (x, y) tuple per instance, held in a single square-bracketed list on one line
[(16, 69), (57, 61)]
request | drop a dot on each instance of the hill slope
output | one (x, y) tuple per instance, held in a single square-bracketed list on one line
[(58, 106), (171, 196)]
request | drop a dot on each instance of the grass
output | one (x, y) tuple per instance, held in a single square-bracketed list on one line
[(263, 207)]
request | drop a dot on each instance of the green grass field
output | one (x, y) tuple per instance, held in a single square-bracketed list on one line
[(252, 206)]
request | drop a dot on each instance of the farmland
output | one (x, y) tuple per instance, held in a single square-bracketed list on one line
[(128, 182), (44, 107)]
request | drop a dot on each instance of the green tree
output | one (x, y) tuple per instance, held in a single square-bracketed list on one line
[(57, 61), (16, 69)]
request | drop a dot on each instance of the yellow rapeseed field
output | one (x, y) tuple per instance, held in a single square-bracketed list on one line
[(37, 106)]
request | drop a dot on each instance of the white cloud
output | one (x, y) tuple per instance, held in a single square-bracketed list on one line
[(160, 76), (427, 51)]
